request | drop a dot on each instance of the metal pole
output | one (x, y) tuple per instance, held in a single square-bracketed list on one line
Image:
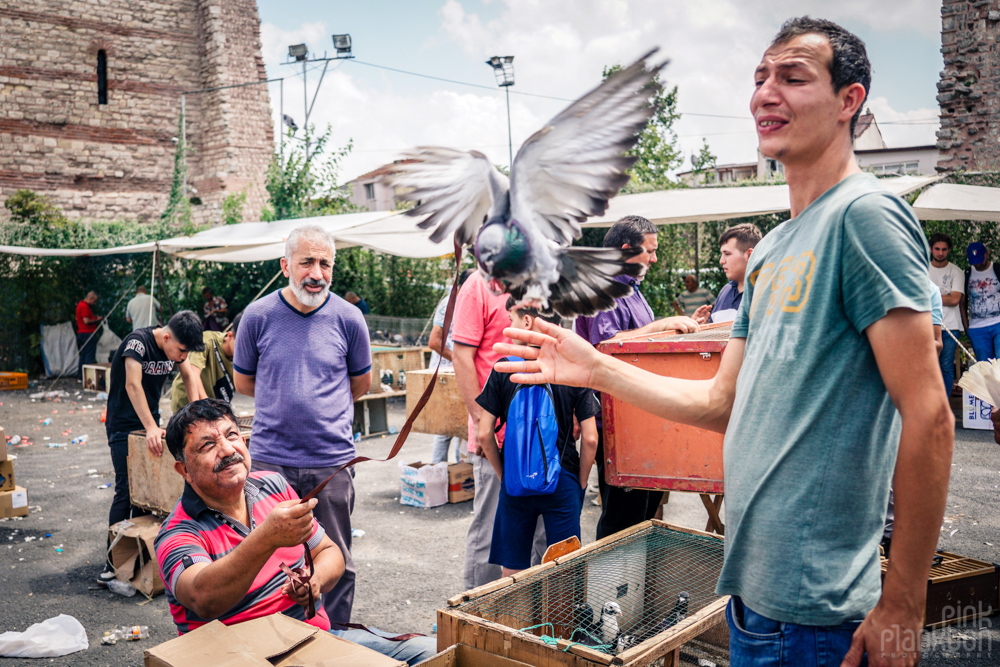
[(305, 106), (697, 250), (183, 147), (510, 139), (152, 282), (281, 114)]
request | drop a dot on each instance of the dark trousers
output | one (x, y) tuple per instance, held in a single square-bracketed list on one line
[(121, 507), (333, 512), (621, 508), (88, 351)]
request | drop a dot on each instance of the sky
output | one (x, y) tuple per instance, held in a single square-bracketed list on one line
[(560, 49)]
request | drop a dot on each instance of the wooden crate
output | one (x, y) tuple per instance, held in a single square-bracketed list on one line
[(959, 589), (153, 483), (485, 617), (395, 359), (445, 412), (13, 381), (97, 377), (646, 452)]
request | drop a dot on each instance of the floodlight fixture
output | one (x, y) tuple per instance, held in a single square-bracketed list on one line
[(503, 70), (289, 122), (342, 43), (298, 51)]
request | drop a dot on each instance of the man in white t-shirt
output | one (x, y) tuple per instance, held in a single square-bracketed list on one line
[(137, 310), (983, 290), (951, 282)]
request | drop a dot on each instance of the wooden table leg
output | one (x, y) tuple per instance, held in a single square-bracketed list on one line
[(712, 506), (674, 659)]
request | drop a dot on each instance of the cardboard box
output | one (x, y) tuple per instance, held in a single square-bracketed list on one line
[(461, 484), (97, 377), (975, 413), (462, 655), (6, 474), (3, 450), (274, 640), (445, 412), (154, 485), (133, 554), (423, 484), (14, 503)]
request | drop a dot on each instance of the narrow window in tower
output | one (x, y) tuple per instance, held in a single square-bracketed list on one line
[(102, 77)]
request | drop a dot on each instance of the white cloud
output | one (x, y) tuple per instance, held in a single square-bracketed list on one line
[(904, 128)]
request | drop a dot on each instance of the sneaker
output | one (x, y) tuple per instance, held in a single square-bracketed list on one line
[(107, 575)]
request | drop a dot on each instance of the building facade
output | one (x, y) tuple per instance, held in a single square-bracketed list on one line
[(969, 138), (372, 191), (90, 101)]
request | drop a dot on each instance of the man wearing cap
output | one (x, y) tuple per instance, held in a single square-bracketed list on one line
[(982, 285)]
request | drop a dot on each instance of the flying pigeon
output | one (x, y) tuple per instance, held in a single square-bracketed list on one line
[(522, 228), (609, 622)]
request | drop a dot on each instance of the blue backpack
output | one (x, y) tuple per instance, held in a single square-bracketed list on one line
[(531, 451)]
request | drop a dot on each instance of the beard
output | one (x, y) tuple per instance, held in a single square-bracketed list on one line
[(306, 298)]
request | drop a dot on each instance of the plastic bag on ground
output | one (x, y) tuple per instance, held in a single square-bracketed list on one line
[(52, 638)]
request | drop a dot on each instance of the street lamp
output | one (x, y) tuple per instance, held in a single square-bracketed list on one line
[(503, 70), (300, 53)]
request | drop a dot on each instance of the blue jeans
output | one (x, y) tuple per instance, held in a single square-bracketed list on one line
[(88, 351), (410, 651), (757, 641), (947, 359), (985, 342)]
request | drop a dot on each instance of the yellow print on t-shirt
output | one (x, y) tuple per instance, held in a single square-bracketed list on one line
[(784, 285)]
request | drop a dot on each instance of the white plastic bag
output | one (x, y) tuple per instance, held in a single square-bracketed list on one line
[(423, 484), (55, 637), (59, 349), (107, 344)]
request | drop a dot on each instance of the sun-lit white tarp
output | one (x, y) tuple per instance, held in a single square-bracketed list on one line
[(672, 207), (947, 201), (397, 234)]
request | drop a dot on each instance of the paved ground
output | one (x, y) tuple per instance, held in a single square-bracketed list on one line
[(409, 560)]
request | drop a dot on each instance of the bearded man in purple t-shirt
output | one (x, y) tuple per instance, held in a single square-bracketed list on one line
[(622, 508), (303, 354)]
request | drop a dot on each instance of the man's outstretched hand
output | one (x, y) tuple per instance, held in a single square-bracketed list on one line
[(889, 635), (552, 355)]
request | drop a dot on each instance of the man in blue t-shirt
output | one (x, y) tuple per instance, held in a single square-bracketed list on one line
[(303, 354), (735, 247), (828, 388)]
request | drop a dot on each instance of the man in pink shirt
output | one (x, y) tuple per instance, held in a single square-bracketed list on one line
[(480, 319)]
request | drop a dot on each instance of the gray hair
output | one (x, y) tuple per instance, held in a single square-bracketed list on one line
[(312, 233)]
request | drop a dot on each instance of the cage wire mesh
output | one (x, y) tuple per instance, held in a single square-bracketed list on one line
[(613, 597)]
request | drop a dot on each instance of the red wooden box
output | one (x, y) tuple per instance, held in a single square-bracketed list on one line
[(645, 452)]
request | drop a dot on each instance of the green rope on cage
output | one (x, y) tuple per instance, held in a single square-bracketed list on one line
[(554, 641)]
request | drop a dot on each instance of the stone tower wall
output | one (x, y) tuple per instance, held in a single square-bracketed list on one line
[(969, 138), (115, 160)]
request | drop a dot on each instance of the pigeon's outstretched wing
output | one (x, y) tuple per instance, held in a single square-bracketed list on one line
[(587, 282), (455, 189), (568, 170)]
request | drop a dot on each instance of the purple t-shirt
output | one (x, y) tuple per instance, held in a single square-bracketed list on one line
[(303, 364), (630, 312)]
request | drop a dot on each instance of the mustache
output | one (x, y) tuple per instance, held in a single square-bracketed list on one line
[(312, 282), (229, 460)]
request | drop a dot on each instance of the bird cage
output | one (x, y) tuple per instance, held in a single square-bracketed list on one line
[(390, 366), (647, 452), (629, 599)]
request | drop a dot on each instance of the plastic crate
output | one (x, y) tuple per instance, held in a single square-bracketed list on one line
[(12, 381)]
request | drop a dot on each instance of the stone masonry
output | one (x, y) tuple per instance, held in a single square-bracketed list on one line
[(115, 160), (969, 138)]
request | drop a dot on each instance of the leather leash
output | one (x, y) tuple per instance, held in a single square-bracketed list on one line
[(301, 576)]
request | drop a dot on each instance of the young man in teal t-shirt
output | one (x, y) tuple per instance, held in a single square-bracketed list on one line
[(827, 391)]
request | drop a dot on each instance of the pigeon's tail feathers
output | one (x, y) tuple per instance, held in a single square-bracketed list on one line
[(570, 168), (587, 282), (456, 190)]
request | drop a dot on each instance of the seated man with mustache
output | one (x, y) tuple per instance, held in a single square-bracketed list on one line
[(221, 548)]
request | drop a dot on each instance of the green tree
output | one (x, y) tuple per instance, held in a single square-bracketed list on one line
[(301, 187), (657, 149), (232, 208), (704, 164)]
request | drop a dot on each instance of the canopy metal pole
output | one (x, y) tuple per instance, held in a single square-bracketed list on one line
[(230, 325), (152, 281)]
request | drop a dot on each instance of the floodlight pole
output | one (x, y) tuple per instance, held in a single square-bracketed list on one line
[(510, 138), (307, 106)]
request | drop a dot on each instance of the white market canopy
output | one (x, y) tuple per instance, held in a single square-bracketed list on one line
[(947, 201), (395, 234)]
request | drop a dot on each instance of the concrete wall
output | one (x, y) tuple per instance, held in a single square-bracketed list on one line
[(115, 160), (969, 138)]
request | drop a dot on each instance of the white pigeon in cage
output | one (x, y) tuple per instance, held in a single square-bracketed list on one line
[(609, 622), (982, 380)]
